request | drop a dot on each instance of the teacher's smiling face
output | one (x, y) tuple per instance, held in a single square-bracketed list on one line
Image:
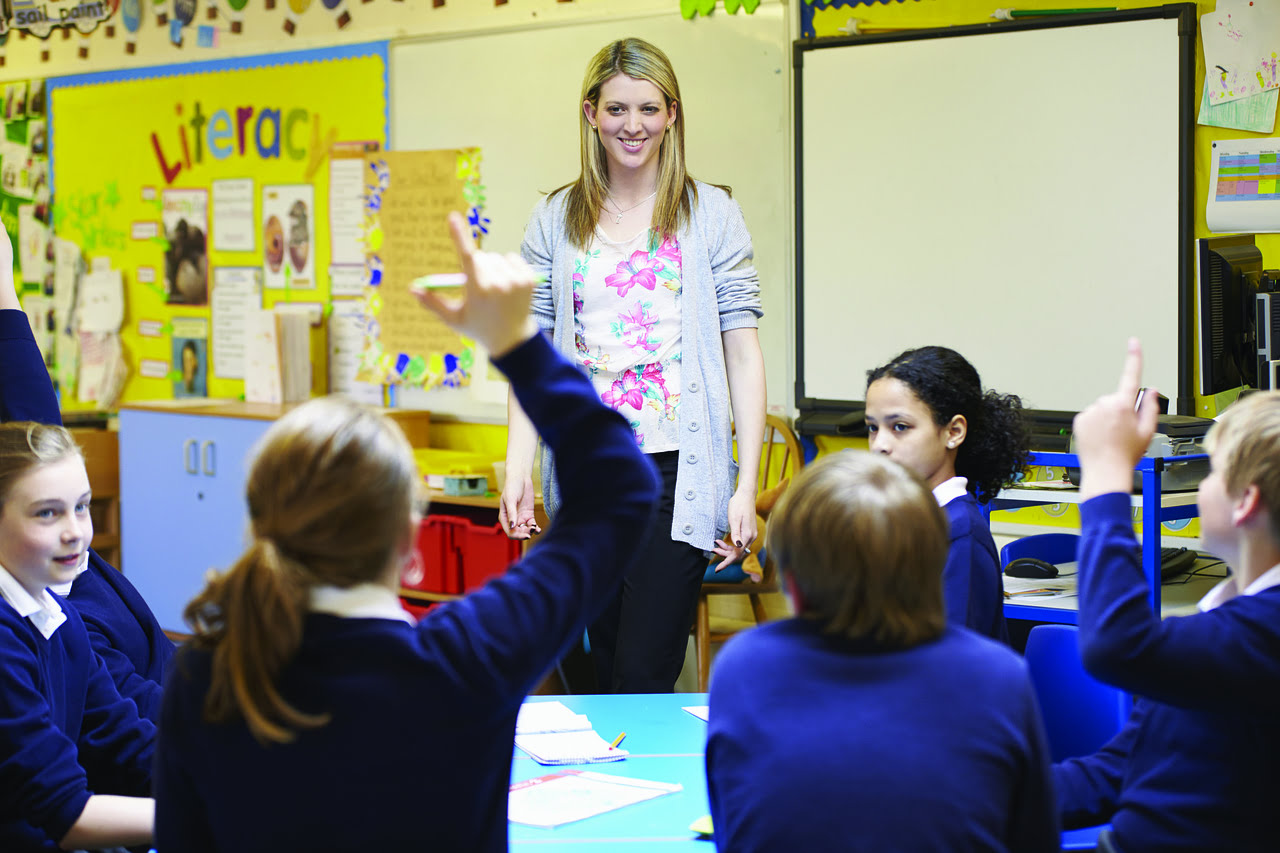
[(631, 117)]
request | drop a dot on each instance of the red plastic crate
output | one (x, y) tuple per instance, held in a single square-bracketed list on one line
[(441, 569), (485, 551)]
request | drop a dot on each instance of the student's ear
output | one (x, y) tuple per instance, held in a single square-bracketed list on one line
[(956, 431), (1248, 507)]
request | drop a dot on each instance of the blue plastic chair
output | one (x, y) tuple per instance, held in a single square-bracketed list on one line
[(1050, 547), (1080, 713)]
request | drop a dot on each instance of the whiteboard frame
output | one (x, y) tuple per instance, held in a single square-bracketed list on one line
[(820, 414)]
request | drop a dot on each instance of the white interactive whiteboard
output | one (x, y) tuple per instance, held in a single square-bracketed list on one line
[(1020, 193), (514, 94)]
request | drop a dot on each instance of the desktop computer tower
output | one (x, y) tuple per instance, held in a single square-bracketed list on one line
[(1267, 331)]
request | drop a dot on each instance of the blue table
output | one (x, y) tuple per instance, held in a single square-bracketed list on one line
[(667, 744)]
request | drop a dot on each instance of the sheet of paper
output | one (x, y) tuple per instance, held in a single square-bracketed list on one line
[(347, 280), (702, 712), (573, 795), (346, 202), (289, 236), (581, 747), (262, 378), (233, 227), (101, 302), (347, 325), (33, 242), (1244, 186), (1241, 49), (236, 292), (1256, 113), (541, 717)]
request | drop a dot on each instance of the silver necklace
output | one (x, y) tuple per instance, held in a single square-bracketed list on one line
[(617, 219)]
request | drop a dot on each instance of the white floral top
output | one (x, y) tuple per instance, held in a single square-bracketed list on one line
[(626, 323)]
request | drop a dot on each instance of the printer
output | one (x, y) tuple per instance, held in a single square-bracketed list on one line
[(1176, 435)]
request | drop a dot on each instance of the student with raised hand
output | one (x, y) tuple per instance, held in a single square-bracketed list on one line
[(308, 712), (927, 410), (651, 290), (1195, 767), (122, 628), (868, 722), (66, 734)]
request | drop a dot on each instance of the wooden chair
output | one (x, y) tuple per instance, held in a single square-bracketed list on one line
[(780, 460), (102, 463)]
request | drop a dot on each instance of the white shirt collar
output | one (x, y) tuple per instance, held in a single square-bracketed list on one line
[(362, 601), (1225, 591), (43, 612), (947, 491)]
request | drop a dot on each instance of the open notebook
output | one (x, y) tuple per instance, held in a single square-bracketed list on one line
[(552, 734)]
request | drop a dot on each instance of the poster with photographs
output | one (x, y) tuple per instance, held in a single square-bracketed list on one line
[(35, 99), (288, 236), (190, 361), (185, 214)]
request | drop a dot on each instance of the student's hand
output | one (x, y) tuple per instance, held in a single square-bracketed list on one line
[(515, 509), (742, 530), (494, 308), (1110, 436), (8, 289)]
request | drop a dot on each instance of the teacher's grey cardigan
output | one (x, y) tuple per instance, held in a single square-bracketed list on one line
[(719, 291)]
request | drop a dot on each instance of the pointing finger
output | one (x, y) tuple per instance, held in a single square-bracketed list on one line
[(1131, 374)]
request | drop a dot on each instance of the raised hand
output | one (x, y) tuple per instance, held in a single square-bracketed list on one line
[(494, 308), (1111, 435)]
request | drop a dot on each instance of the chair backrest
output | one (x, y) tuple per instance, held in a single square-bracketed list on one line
[(1050, 547), (1080, 713), (781, 457)]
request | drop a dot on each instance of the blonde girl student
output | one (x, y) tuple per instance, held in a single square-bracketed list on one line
[(308, 712), (75, 758), (927, 410), (122, 629), (651, 290), (868, 722)]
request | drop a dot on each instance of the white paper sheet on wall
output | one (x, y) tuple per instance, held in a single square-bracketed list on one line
[(236, 292), (1241, 49), (101, 302), (1244, 186)]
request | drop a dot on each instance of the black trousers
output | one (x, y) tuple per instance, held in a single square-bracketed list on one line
[(638, 643)]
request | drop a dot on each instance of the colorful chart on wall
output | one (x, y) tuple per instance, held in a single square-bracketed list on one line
[(173, 173), (408, 195)]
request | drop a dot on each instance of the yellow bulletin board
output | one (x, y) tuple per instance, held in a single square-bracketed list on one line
[(171, 174), (408, 195)]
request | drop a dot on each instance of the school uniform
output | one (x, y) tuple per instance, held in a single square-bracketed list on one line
[(122, 629), (820, 743), (972, 588), (417, 750), (1195, 768), (65, 732)]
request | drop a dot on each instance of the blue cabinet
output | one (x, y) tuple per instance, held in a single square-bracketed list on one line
[(182, 505), (182, 484)]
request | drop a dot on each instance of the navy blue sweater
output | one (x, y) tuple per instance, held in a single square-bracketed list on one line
[(1195, 768), (822, 744), (121, 627), (418, 751), (971, 585), (64, 732)]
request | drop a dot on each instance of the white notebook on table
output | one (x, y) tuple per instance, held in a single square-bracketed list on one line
[(552, 734)]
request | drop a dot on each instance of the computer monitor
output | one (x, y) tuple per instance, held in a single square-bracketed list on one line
[(1227, 272)]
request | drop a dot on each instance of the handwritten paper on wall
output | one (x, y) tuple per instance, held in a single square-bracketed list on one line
[(408, 194), (1244, 186)]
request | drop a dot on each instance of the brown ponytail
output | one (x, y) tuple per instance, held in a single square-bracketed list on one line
[(330, 492)]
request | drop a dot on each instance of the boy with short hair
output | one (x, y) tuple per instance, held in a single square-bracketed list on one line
[(867, 722), (1197, 767)]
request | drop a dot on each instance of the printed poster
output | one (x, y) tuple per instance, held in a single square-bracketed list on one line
[(185, 216), (288, 236), (190, 356)]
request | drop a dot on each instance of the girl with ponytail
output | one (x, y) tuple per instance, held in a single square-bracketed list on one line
[(309, 712), (927, 410)]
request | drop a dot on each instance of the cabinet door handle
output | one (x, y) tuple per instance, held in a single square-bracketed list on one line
[(189, 461), (209, 458)]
